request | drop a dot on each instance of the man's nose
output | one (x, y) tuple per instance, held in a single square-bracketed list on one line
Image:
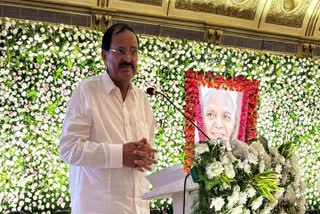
[(126, 57), (218, 122)]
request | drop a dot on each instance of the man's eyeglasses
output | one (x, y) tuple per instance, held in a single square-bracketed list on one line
[(123, 52)]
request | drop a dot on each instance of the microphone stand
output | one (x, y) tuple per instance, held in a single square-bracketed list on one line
[(185, 179), (183, 114)]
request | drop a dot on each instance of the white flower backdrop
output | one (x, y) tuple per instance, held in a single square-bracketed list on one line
[(41, 64)]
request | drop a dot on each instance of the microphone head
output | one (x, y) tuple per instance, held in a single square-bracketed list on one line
[(151, 91)]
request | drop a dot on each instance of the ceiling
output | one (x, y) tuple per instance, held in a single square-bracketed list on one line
[(295, 18)]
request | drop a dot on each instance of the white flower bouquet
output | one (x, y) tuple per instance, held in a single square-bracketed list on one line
[(238, 178)]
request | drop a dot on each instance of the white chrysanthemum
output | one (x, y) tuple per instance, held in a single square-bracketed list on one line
[(261, 166), (318, 186), (243, 197), (278, 168), (266, 210), (229, 171), (251, 192), (214, 169), (237, 210), (278, 194), (201, 148), (246, 167), (234, 198), (257, 203), (252, 158), (217, 203)]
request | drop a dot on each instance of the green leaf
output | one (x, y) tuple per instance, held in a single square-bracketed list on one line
[(52, 108), (32, 94), (3, 176), (226, 180), (293, 115), (212, 182), (232, 72), (265, 182), (264, 191), (69, 63), (8, 53), (28, 119), (264, 143), (8, 83), (40, 58), (57, 74), (287, 149)]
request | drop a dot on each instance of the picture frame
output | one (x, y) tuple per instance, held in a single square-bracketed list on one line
[(242, 92)]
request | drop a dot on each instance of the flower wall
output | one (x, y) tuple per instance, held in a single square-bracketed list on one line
[(40, 65)]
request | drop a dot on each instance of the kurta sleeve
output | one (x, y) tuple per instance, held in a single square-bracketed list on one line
[(75, 145)]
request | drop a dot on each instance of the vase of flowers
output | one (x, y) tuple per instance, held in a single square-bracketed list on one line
[(235, 177)]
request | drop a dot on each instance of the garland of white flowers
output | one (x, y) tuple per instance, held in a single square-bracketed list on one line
[(41, 64)]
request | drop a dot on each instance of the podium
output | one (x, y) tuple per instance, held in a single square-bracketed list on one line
[(169, 183)]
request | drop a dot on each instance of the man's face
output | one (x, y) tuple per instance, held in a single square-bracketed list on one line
[(122, 57), (219, 118)]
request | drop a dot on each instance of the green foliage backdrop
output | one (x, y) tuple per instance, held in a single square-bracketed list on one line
[(41, 64)]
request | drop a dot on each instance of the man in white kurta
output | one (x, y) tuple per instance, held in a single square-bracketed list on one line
[(108, 134)]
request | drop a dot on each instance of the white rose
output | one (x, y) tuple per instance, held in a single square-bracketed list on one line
[(214, 169), (201, 148)]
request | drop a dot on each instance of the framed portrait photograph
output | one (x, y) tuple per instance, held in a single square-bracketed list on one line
[(222, 108), (220, 114)]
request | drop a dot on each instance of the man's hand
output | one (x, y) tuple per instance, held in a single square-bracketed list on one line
[(138, 155)]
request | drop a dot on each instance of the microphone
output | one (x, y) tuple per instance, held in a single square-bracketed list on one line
[(152, 91)]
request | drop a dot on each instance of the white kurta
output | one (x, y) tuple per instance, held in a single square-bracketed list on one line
[(96, 125)]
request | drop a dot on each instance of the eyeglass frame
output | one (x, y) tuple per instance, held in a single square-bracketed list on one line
[(123, 52)]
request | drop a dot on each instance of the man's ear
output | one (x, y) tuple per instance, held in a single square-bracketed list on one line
[(104, 55)]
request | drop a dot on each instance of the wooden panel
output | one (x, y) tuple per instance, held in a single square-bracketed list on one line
[(92, 3), (11, 11), (289, 19), (230, 40), (279, 47), (230, 13), (315, 32), (150, 7)]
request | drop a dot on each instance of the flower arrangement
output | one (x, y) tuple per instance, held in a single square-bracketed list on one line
[(238, 178)]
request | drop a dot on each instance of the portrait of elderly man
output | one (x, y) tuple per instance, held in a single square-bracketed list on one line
[(220, 113)]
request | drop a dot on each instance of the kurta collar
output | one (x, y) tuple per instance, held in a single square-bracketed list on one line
[(109, 84)]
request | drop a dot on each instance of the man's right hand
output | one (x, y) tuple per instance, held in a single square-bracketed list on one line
[(138, 155)]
